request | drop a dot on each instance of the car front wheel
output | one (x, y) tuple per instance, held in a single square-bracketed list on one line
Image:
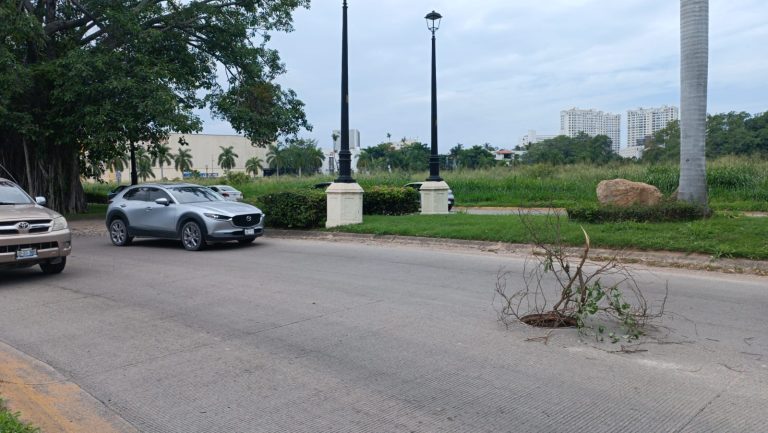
[(118, 233), (53, 268), (192, 236)]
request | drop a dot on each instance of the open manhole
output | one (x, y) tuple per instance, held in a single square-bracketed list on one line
[(549, 319)]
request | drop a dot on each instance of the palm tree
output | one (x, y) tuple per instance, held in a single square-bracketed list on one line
[(182, 161), (253, 165), (227, 158), (118, 163), (161, 155), (276, 156), (694, 45), (144, 164)]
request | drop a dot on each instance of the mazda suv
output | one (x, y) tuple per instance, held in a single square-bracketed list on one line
[(194, 214)]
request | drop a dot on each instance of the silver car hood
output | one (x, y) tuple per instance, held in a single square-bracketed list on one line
[(228, 208), (26, 212)]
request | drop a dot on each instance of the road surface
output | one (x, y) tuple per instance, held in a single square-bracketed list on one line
[(311, 336)]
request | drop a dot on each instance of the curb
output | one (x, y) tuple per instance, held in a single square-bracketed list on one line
[(664, 259), (47, 400)]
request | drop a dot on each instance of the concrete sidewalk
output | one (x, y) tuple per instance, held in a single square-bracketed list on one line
[(46, 399)]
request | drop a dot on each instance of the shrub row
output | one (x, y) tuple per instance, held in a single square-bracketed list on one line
[(295, 209), (391, 200), (664, 212)]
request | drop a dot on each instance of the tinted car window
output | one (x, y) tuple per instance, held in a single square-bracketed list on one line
[(137, 194), (12, 194), (156, 193), (194, 194)]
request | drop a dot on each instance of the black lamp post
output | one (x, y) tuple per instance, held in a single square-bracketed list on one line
[(433, 23), (134, 173), (345, 156)]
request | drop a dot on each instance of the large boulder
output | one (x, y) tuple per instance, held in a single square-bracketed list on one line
[(625, 193)]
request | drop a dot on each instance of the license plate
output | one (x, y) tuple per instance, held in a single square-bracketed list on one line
[(250, 232), (26, 253)]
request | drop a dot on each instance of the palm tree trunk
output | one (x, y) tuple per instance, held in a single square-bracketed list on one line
[(694, 45)]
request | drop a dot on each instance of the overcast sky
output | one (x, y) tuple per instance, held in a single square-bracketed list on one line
[(507, 66)]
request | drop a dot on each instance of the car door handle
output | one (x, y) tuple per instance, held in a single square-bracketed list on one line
[(123, 205), (148, 209)]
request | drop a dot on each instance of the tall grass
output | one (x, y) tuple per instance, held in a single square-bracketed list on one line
[(735, 183)]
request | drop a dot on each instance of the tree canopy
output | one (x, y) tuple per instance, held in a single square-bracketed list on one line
[(570, 150), (82, 80)]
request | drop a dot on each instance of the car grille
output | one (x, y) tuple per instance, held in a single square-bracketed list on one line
[(37, 246), (242, 220), (35, 226)]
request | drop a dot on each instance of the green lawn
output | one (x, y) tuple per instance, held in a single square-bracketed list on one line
[(720, 236)]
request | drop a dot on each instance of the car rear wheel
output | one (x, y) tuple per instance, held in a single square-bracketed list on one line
[(118, 233), (53, 268), (192, 236)]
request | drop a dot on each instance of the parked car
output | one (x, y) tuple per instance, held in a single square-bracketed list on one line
[(112, 194), (228, 192), (417, 186), (31, 234), (191, 213)]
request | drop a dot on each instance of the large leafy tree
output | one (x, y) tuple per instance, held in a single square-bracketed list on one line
[(227, 158), (694, 45), (83, 80)]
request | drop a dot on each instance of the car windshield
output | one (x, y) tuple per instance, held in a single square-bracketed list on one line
[(12, 194), (194, 194)]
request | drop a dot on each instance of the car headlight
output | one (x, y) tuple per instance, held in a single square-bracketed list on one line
[(217, 217), (59, 223)]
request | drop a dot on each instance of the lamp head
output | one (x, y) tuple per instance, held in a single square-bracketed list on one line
[(433, 21)]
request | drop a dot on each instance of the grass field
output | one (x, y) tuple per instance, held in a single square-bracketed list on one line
[(10, 423), (721, 236), (734, 183)]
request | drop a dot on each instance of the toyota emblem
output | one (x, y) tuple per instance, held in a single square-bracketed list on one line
[(23, 225), (248, 218)]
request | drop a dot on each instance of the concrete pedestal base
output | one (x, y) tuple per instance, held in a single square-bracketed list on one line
[(434, 198), (345, 204)]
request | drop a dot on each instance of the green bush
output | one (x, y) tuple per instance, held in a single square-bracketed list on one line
[(390, 200), (297, 209), (664, 212), (237, 178), (95, 197)]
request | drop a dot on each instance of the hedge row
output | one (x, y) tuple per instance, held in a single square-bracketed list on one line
[(296, 209), (391, 200), (664, 212)]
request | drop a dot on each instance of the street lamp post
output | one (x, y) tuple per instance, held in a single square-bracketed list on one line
[(433, 23), (344, 196), (345, 156), (434, 192)]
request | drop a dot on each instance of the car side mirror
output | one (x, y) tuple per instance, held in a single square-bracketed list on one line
[(41, 201), (162, 201)]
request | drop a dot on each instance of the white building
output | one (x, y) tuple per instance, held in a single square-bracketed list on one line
[(333, 155), (635, 152), (591, 122), (532, 137), (205, 150), (644, 122)]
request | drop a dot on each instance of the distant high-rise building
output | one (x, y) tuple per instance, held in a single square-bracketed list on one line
[(592, 122), (644, 122), (532, 137), (354, 149)]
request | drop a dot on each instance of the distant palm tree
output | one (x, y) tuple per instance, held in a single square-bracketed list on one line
[(253, 165), (182, 161), (277, 156), (144, 164), (227, 158), (694, 53), (118, 163), (161, 155)]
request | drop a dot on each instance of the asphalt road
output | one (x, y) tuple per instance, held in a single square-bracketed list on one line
[(312, 336)]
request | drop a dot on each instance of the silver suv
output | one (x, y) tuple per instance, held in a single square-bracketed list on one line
[(31, 234), (191, 213)]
